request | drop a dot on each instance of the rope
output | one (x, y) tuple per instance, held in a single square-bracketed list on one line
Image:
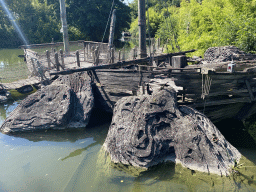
[(206, 86)]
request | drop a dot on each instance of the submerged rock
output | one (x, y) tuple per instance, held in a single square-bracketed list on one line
[(67, 102), (4, 95), (147, 129)]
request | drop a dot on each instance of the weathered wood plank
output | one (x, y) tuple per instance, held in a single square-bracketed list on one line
[(118, 64), (219, 102), (249, 90)]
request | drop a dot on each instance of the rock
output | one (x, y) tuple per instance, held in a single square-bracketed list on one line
[(4, 95), (25, 89), (82, 100), (146, 129), (65, 103), (222, 54)]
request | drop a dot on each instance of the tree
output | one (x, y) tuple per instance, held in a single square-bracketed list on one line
[(90, 17)]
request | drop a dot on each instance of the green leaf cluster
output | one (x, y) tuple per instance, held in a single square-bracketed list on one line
[(40, 20), (200, 24)]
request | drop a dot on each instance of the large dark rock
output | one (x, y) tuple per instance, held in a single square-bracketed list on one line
[(67, 102), (145, 130), (222, 54)]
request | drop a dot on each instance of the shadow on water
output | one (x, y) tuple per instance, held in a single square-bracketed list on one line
[(98, 133), (234, 131)]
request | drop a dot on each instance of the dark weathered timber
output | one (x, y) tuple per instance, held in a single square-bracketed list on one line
[(120, 64), (120, 79)]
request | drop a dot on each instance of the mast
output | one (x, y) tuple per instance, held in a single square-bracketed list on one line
[(64, 25), (112, 29), (142, 29)]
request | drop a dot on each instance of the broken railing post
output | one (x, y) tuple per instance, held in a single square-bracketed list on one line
[(88, 51), (123, 54), (93, 54), (133, 51), (77, 58), (112, 55), (97, 56), (57, 61), (84, 52), (119, 55), (62, 58), (48, 59)]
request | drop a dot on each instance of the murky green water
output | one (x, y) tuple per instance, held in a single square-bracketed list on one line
[(12, 67), (73, 160)]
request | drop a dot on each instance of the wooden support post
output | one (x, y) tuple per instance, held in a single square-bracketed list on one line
[(84, 52), (112, 55), (77, 58), (119, 55), (249, 90), (142, 28), (143, 88), (57, 61), (123, 54), (93, 54), (48, 59), (133, 51), (88, 50), (34, 67), (97, 56), (62, 59)]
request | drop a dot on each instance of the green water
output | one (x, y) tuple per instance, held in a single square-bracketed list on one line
[(12, 67), (73, 160)]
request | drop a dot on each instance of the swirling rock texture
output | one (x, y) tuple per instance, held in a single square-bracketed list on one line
[(148, 128), (67, 102)]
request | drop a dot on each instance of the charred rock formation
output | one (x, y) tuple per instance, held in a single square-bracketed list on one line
[(67, 102), (146, 129)]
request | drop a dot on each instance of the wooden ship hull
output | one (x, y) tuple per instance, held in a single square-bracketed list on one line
[(219, 95), (208, 88)]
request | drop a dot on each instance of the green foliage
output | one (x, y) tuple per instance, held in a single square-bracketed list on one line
[(40, 20), (90, 17), (200, 24), (217, 23)]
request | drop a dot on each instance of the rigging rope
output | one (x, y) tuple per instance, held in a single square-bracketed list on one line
[(206, 86)]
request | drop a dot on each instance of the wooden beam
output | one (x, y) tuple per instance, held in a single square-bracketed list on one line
[(249, 90), (118, 64)]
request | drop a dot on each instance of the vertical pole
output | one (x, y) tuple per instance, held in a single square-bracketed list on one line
[(142, 29), (62, 58), (124, 54), (112, 55), (112, 29), (97, 55), (77, 58), (64, 25), (88, 51), (48, 59), (84, 51), (119, 55), (133, 51), (57, 61)]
